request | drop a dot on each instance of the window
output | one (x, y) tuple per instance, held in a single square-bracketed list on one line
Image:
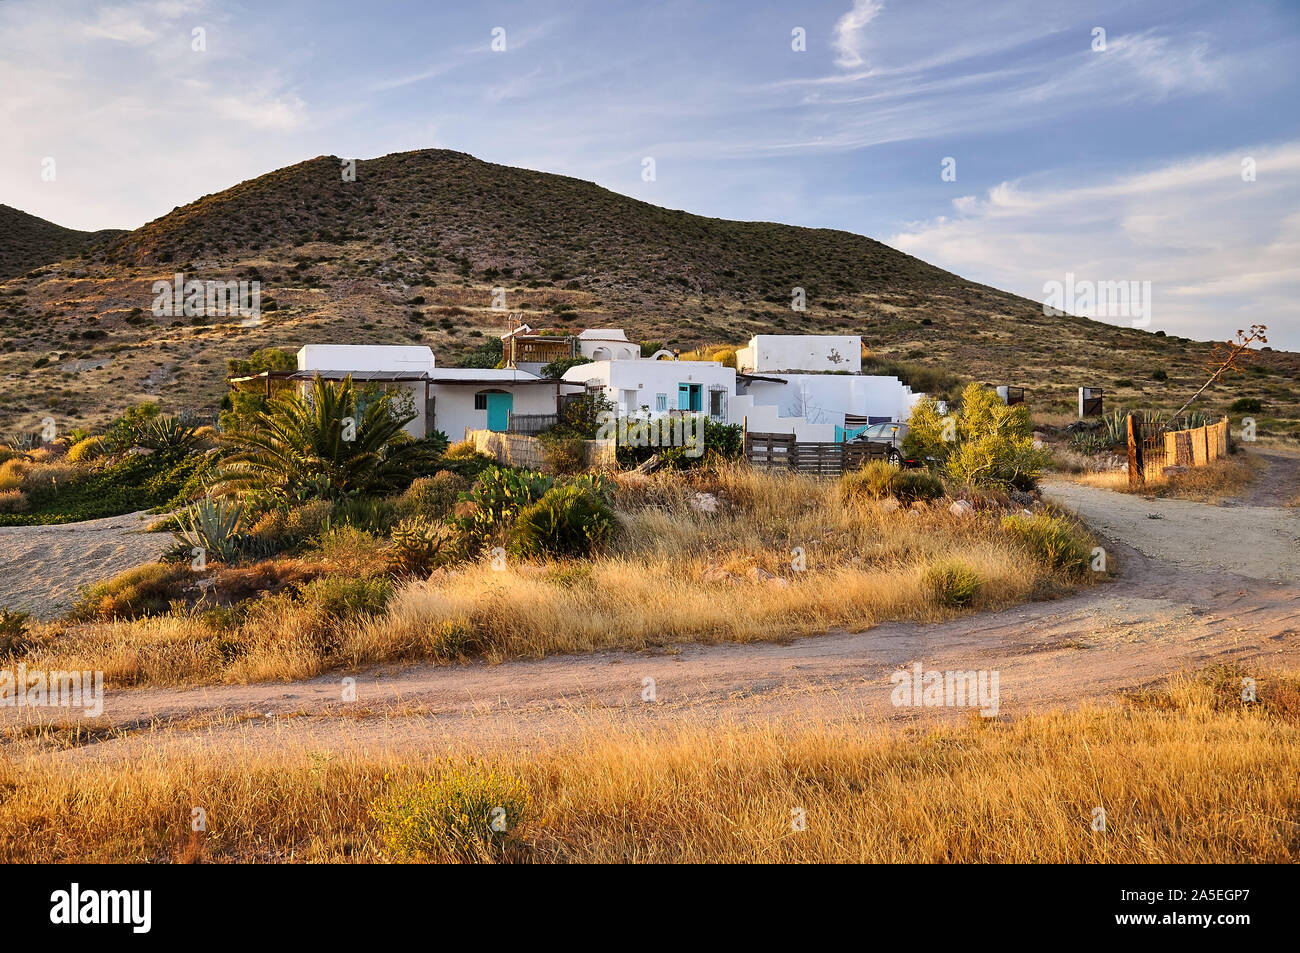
[(716, 409), (661, 401), (480, 400)]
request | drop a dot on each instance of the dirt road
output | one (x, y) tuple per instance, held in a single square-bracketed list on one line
[(1199, 584)]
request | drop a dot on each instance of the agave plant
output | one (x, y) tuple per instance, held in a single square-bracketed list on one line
[(214, 525), (322, 446), (165, 433)]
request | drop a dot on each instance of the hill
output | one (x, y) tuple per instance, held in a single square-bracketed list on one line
[(411, 252), (27, 242)]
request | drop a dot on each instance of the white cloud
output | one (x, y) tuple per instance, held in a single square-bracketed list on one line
[(1221, 253), (849, 38)]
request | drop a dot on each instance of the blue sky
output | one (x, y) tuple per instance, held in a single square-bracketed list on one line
[(1115, 164)]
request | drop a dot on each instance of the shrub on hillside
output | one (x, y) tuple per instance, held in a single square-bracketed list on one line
[(1246, 405), (143, 590)]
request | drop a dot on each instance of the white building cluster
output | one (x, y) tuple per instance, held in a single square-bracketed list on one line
[(809, 385)]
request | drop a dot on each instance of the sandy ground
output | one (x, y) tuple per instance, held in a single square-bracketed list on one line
[(41, 567), (1200, 584)]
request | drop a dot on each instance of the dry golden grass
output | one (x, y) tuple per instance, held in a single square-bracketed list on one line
[(1167, 769), (1211, 483), (674, 575)]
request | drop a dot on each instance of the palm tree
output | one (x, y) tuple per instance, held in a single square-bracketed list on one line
[(299, 448)]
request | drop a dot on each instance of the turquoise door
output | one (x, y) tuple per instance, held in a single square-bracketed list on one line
[(498, 410), (689, 397)]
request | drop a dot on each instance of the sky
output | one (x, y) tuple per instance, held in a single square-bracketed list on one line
[(1014, 143)]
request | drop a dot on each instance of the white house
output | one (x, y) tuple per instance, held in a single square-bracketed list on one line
[(447, 399), (642, 384), (810, 385), (828, 353)]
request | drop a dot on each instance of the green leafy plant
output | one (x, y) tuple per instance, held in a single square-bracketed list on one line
[(165, 433), (323, 446), (494, 501), (983, 442), (568, 521)]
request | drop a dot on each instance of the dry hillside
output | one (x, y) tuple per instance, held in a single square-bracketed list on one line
[(411, 250)]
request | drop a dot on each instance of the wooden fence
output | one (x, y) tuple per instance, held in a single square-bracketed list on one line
[(531, 424), (783, 451), (1149, 454)]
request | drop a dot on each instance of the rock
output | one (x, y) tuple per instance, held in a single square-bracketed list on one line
[(704, 503), (1023, 498), (960, 508), (762, 575), (889, 505)]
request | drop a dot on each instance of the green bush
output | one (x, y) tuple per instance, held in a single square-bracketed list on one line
[(952, 583), (874, 481), (373, 514), (1246, 405), (347, 597), (494, 501), (984, 442), (143, 590), (555, 370), (879, 480), (910, 486), (469, 814), (568, 521), (431, 497), (1053, 540)]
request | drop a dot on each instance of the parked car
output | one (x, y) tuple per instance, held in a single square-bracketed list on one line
[(889, 437)]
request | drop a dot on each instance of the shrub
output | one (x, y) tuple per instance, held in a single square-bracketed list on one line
[(880, 479), (495, 500), (909, 486), (372, 515), (874, 481), (418, 547), (83, 451), (432, 497), (1053, 540), (952, 583), (12, 472), (566, 521), (1089, 443), (470, 814), (165, 433), (49, 476), (13, 501), (13, 633), (564, 455), (144, 590), (346, 597), (555, 369), (987, 441), (1246, 405)]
